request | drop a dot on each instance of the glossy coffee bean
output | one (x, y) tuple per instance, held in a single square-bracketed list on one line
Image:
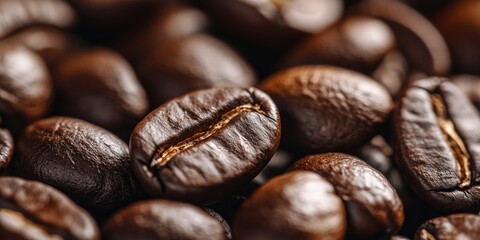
[(25, 86), (192, 63), (470, 85), (392, 72), (437, 144), (162, 219), (325, 108), (6, 148), (202, 146), (31, 210), (84, 161), (296, 205), (373, 206), (100, 86), (419, 40), (455, 226), (357, 43), (49, 43), (18, 14), (274, 24)]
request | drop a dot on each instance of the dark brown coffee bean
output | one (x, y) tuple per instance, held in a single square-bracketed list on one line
[(25, 86), (438, 144), (49, 43), (99, 86), (455, 226), (357, 43), (162, 219), (202, 146), (6, 148), (419, 40), (191, 63), (219, 218), (31, 210), (296, 205), (373, 206), (84, 161), (17, 14), (325, 108), (392, 72), (470, 85), (274, 24)]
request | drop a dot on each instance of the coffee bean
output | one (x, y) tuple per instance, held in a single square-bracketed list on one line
[(455, 226), (274, 24), (202, 146), (31, 210), (438, 144), (373, 206), (84, 161), (392, 72), (192, 63), (6, 148), (162, 219), (99, 86), (296, 205), (419, 40), (17, 14), (357, 43), (25, 87), (470, 85), (325, 108), (219, 218)]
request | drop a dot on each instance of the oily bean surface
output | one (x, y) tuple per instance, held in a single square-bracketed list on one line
[(455, 226), (327, 108), (437, 144), (295, 205), (373, 206), (166, 220), (6, 148), (202, 146), (88, 163), (35, 211)]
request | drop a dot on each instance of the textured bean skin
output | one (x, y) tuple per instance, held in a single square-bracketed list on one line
[(455, 226), (6, 148), (191, 63), (84, 161), (326, 108), (25, 86), (31, 210), (227, 158), (430, 162), (162, 219), (22, 13), (100, 86), (296, 205), (470, 85), (373, 206)]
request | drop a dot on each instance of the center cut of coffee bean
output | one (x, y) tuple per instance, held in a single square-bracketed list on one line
[(170, 152), (459, 151), (427, 235)]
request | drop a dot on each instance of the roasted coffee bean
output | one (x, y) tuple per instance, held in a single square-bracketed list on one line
[(392, 72), (6, 148), (17, 14), (99, 86), (84, 161), (191, 63), (202, 146), (373, 206), (274, 24), (31, 210), (25, 86), (163, 219), (357, 43), (296, 205), (49, 43), (327, 108), (455, 226), (470, 85), (218, 217), (419, 40), (438, 144), (459, 23)]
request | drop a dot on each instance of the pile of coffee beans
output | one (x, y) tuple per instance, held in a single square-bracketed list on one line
[(239, 119)]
